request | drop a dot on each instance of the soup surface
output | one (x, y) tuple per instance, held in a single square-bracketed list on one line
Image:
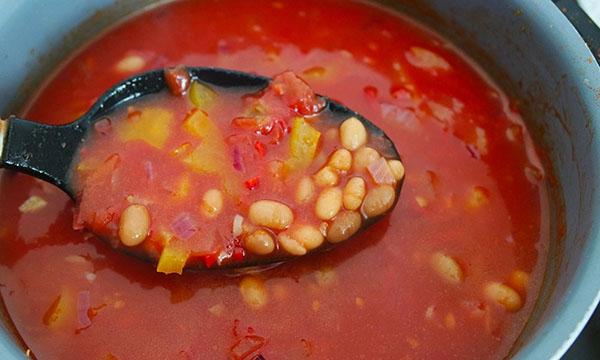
[(452, 272)]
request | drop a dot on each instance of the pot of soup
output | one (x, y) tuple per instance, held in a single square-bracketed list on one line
[(489, 253)]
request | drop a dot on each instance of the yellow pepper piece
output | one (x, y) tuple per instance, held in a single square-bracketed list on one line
[(182, 189), (211, 155), (172, 260), (152, 126), (304, 140), (202, 96)]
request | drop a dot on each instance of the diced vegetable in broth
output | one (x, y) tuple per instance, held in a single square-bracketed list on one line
[(210, 157)]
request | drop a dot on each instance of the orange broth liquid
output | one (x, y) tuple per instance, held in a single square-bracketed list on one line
[(474, 190)]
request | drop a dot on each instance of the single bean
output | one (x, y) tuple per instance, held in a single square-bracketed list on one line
[(309, 236), (328, 203), (354, 193), (397, 169), (134, 225), (353, 134), (341, 160), (345, 224), (327, 176), (363, 157), (131, 63), (305, 190), (259, 242), (446, 267), (253, 292), (271, 214), (504, 295), (378, 201), (291, 245), (212, 203), (519, 280)]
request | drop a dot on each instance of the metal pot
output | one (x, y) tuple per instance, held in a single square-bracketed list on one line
[(528, 46)]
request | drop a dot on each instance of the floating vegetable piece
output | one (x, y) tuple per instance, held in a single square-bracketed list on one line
[(152, 126), (304, 141), (172, 259), (202, 96), (210, 156)]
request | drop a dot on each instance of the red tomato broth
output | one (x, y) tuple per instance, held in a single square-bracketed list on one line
[(369, 298)]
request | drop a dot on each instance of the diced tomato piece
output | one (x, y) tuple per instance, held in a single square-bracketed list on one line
[(370, 91), (238, 254), (297, 94), (245, 123), (253, 183), (178, 80), (261, 149), (209, 260)]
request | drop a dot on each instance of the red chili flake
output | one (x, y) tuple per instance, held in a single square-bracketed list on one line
[(238, 254), (253, 183), (178, 80), (209, 260), (267, 128), (261, 149), (133, 113), (245, 123), (370, 91)]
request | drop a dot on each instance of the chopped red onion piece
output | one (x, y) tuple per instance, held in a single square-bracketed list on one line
[(238, 162), (83, 305), (380, 171), (149, 170), (184, 227), (103, 126)]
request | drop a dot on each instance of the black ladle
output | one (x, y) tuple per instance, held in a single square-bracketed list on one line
[(47, 152)]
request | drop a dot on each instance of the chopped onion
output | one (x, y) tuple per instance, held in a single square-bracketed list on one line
[(237, 159), (184, 227), (103, 126), (380, 171), (33, 204), (426, 59), (149, 170), (83, 306), (237, 230)]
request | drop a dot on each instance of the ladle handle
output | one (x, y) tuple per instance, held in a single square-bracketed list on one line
[(43, 151)]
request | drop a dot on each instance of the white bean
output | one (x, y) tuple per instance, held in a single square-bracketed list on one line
[(345, 224), (341, 160), (291, 245), (254, 292), (353, 134), (328, 203), (259, 242), (305, 190), (354, 193), (379, 200), (309, 236), (212, 203), (397, 169), (134, 225), (363, 157), (271, 214), (446, 267), (504, 295), (327, 176)]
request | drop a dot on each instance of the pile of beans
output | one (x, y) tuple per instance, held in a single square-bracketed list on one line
[(340, 195)]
